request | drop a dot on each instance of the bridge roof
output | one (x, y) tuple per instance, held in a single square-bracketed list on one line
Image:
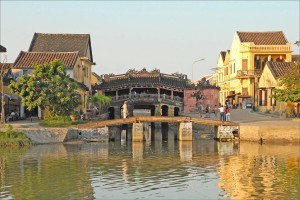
[(143, 80)]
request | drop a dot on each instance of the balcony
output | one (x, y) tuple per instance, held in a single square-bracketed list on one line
[(248, 73), (266, 48)]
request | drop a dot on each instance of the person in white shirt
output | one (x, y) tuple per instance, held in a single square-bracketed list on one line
[(222, 113)]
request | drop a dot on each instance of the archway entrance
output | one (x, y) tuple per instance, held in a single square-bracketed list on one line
[(111, 113), (164, 110)]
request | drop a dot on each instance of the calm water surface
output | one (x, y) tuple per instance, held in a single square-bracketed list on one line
[(202, 169)]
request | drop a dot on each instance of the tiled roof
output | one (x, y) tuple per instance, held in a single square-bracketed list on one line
[(28, 59), (96, 75), (2, 48), (279, 68), (6, 65), (263, 38), (45, 42)]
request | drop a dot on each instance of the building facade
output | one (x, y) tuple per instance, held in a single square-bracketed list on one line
[(74, 50), (240, 68), (268, 81)]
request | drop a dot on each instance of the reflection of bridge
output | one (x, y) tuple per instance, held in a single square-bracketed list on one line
[(185, 131)]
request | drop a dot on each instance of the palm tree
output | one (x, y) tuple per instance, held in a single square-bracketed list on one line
[(99, 101)]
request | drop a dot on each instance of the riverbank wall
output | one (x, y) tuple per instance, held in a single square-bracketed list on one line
[(263, 131), (271, 131)]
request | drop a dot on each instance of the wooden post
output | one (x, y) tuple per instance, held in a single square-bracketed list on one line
[(185, 131)]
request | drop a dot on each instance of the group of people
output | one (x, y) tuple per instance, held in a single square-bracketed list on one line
[(223, 110), (224, 113)]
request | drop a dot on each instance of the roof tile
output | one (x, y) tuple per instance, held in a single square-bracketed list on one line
[(46, 42), (279, 68), (28, 59), (263, 38)]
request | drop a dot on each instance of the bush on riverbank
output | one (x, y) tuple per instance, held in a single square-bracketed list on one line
[(59, 122), (11, 137)]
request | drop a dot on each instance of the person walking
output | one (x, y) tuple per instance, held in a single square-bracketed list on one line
[(207, 111), (227, 113), (222, 115), (216, 111), (125, 109)]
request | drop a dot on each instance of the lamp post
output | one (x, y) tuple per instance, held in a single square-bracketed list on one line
[(193, 67)]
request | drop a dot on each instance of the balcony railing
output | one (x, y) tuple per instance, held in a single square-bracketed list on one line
[(270, 48), (147, 97), (248, 73)]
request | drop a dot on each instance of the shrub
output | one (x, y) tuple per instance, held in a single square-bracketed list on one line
[(11, 137)]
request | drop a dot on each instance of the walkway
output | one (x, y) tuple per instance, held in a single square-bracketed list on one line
[(248, 117)]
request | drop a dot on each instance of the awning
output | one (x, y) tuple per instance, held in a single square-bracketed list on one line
[(11, 96), (244, 96), (231, 96)]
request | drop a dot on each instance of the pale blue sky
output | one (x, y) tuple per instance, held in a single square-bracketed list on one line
[(167, 35)]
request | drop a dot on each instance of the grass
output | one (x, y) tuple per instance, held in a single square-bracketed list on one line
[(11, 137), (60, 122)]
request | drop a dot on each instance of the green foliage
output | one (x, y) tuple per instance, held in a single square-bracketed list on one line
[(59, 121), (48, 87), (11, 137), (289, 86), (100, 101)]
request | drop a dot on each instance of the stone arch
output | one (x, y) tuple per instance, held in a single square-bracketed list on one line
[(176, 111), (111, 113), (164, 110)]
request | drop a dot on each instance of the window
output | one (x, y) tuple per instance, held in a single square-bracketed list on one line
[(226, 71), (245, 64), (25, 72)]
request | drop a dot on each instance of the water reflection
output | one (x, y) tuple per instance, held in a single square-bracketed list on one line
[(202, 169)]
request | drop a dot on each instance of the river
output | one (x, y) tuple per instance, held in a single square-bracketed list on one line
[(202, 169)]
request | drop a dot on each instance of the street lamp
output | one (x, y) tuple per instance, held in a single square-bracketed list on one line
[(193, 67)]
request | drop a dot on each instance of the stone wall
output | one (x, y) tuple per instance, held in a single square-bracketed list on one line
[(270, 133), (49, 135)]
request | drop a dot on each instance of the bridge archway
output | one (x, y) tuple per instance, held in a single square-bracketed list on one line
[(164, 110), (144, 108), (176, 111), (111, 113)]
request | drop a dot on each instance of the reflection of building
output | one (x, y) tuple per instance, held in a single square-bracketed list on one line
[(259, 172), (239, 69), (74, 50)]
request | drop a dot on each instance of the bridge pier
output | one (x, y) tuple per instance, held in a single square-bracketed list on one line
[(224, 133), (185, 131), (137, 132)]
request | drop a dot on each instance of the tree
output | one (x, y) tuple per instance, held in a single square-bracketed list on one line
[(48, 87), (289, 89), (100, 101)]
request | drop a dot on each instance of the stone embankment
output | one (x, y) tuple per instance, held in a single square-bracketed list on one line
[(271, 131), (253, 127)]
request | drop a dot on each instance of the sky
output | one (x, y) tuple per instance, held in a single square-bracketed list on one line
[(165, 35)]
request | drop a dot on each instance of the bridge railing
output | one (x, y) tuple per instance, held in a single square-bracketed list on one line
[(145, 96)]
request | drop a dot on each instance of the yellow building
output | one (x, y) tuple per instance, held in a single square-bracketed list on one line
[(239, 69), (96, 79), (270, 76), (26, 60)]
